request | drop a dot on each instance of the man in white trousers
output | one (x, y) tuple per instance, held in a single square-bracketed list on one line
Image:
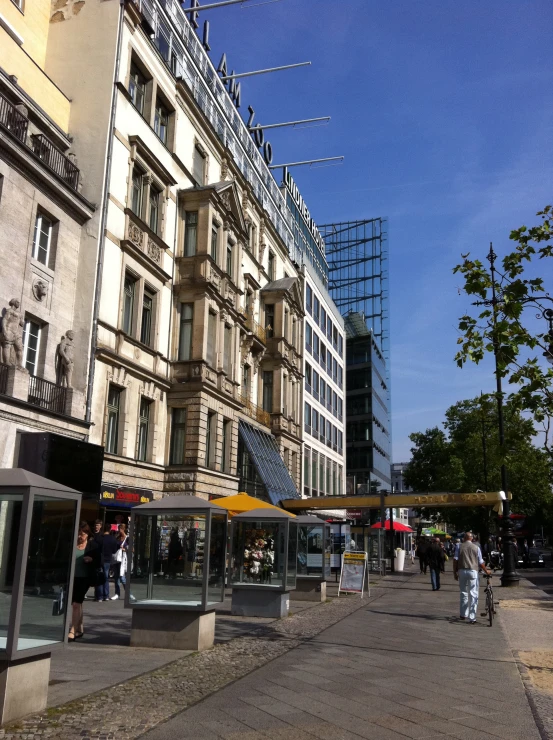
[(466, 563)]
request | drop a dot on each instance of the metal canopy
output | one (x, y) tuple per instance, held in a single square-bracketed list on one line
[(20, 478), (270, 467), (438, 500)]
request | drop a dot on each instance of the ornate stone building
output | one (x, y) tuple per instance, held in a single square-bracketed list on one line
[(48, 236)]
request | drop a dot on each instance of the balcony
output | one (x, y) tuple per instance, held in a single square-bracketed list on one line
[(255, 412), (53, 158), (47, 395), (256, 329), (12, 119)]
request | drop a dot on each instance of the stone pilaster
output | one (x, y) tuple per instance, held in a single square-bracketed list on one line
[(18, 383)]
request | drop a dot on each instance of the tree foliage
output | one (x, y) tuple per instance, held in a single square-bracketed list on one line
[(505, 326), (465, 457)]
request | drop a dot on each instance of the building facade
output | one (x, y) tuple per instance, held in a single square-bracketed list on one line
[(198, 356), (367, 432), (48, 242)]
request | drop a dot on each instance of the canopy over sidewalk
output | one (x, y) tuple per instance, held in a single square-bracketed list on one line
[(241, 503)]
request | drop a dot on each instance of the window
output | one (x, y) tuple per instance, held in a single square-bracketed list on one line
[(322, 355), (137, 191), (246, 381), (314, 469), (211, 338), (329, 397), (252, 237), (316, 309), (230, 255), (161, 121), (340, 408), (227, 350), (128, 303), (315, 346), (153, 214), (328, 477), (198, 165), (340, 441), (322, 474), (340, 377), (308, 376), (143, 428), (329, 433), (315, 384), (270, 320), (147, 314), (315, 423), (31, 344), (214, 241), (322, 390), (268, 390), (309, 298), (341, 346), (271, 267), (307, 420), (309, 338), (339, 480), (225, 452), (286, 328), (137, 88), (335, 337), (323, 320), (42, 239), (210, 439), (335, 438), (178, 435), (112, 432), (329, 329), (185, 331), (190, 233), (306, 471), (335, 371)]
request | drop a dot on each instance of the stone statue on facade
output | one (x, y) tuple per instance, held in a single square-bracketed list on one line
[(11, 335), (65, 360)]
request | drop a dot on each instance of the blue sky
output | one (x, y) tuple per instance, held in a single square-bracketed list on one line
[(443, 112)]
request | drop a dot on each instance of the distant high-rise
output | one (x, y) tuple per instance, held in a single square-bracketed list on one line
[(357, 255)]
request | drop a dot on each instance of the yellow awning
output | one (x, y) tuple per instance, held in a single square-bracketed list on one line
[(241, 502)]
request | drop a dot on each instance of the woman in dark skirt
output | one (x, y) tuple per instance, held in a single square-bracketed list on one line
[(87, 562)]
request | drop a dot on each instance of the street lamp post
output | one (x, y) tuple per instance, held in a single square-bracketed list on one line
[(510, 576)]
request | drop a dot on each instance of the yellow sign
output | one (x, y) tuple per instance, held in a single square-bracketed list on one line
[(414, 500)]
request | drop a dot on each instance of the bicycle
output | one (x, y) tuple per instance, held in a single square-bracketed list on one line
[(490, 604)]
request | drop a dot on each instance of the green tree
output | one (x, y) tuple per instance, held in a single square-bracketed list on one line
[(504, 327), (466, 457)]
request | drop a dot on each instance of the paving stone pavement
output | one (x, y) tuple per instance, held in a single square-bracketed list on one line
[(129, 709), (401, 666)]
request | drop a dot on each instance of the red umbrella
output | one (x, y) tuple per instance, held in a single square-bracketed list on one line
[(398, 526)]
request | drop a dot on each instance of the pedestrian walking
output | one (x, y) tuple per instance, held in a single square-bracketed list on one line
[(119, 562), (422, 550), (109, 547), (435, 557), (87, 563), (467, 561)]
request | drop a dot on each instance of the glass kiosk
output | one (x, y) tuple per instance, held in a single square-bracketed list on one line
[(314, 547), (263, 562), (38, 535), (176, 577)]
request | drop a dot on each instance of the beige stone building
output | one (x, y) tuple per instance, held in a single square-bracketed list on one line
[(48, 237), (197, 375)]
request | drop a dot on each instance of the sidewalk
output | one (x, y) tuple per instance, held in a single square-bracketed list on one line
[(401, 667)]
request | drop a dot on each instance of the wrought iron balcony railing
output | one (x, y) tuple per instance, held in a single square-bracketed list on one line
[(47, 395), (256, 329), (12, 119), (56, 160), (255, 412)]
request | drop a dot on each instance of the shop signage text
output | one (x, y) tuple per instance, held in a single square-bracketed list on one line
[(124, 496), (302, 208)]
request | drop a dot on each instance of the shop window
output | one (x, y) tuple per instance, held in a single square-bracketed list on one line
[(137, 88), (268, 391), (161, 121), (31, 345), (144, 428), (199, 161), (129, 295), (214, 240), (112, 431), (211, 338), (178, 436), (147, 316), (43, 238), (185, 331), (191, 233)]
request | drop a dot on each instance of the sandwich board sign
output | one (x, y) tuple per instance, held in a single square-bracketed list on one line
[(352, 574)]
